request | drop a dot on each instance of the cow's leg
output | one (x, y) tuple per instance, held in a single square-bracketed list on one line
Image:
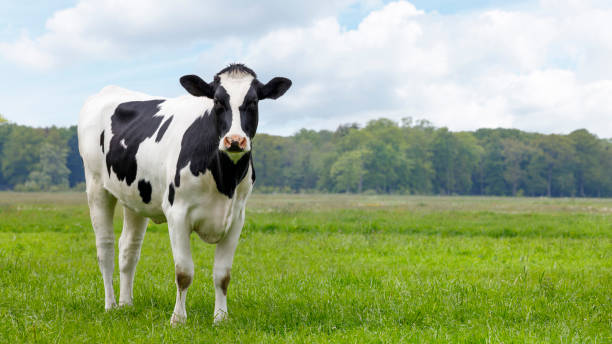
[(224, 256), (101, 209), (183, 265), (134, 227)]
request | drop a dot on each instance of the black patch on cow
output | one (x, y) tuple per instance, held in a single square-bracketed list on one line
[(132, 123), (249, 114), (222, 111), (200, 142), (198, 87), (274, 88), (252, 170), (228, 174), (145, 189), (102, 141), (200, 150), (163, 128), (171, 194)]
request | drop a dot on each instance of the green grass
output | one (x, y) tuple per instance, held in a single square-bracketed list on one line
[(326, 269)]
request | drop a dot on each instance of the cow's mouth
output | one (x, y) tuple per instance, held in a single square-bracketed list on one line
[(235, 149)]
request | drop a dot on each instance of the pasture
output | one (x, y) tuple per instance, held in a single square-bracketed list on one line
[(326, 268)]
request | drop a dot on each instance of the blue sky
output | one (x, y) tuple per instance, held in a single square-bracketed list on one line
[(533, 65)]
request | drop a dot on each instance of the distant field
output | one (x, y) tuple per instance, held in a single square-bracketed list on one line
[(326, 268)]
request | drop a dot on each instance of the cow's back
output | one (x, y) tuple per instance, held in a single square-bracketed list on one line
[(95, 118), (110, 132), (130, 143)]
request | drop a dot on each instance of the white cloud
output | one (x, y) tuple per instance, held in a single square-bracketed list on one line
[(27, 52), (542, 67), (545, 68), (103, 29)]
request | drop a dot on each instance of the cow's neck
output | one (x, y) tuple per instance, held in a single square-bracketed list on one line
[(228, 174), (199, 150)]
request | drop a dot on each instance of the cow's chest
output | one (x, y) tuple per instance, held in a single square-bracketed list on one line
[(208, 212)]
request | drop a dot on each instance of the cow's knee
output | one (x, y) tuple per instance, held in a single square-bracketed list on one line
[(184, 277), (129, 251), (222, 280), (105, 248)]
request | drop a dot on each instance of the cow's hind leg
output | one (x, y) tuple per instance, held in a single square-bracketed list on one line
[(134, 227), (101, 209)]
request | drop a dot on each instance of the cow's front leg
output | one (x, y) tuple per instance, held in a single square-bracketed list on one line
[(224, 256), (183, 267)]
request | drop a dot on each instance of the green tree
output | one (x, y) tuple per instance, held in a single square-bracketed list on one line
[(418, 138), (587, 163), (51, 173), (489, 174), (455, 157), (74, 161), (348, 171), (270, 161), (20, 153), (385, 160), (555, 160), (516, 156)]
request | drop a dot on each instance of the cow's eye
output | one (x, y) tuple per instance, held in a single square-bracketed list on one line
[(219, 104), (252, 104)]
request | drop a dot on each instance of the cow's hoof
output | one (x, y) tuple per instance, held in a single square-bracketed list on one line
[(220, 316), (177, 319), (125, 304), (110, 306)]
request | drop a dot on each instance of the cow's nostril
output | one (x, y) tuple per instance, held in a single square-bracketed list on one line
[(226, 142), (243, 142)]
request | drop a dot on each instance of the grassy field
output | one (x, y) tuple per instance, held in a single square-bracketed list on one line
[(325, 268)]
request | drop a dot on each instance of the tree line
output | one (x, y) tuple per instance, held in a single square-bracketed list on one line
[(384, 156), (414, 157)]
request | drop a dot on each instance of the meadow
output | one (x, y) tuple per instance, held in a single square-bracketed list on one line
[(326, 268)]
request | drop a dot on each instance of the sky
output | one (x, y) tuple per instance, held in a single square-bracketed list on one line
[(540, 66)]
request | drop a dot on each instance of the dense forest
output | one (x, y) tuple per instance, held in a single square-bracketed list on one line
[(411, 157)]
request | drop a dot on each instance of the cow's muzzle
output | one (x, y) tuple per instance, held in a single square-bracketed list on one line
[(235, 143)]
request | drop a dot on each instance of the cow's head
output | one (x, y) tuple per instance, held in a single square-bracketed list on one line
[(236, 93)]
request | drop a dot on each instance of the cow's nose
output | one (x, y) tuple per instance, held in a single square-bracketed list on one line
[(235, 143)]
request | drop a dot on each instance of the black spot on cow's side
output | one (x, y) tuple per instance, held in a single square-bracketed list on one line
[(145, 190), (199, 150), (171, 194), (102, 141), (162, 129), (132, 123)]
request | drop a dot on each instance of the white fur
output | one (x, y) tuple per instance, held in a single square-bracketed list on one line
[(198, 206)]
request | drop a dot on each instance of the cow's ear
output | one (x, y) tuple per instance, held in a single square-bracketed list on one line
[(197, 87), (274, 88)]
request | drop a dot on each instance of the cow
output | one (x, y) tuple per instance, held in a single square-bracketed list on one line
[(185, 161)]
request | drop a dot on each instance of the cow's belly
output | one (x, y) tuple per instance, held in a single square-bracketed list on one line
[(130, 197)]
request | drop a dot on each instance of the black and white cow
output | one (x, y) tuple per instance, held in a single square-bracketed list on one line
[(184, 160)]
